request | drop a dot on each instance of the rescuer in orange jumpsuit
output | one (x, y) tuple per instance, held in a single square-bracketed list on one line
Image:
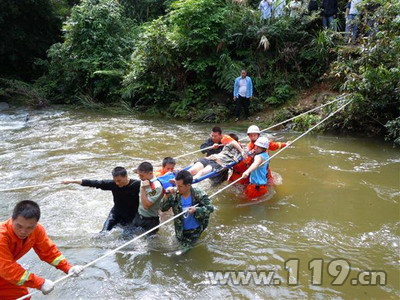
[(257, 172), (18, 235), (253, 132)]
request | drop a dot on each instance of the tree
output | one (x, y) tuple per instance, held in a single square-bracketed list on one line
[(89, 64), (27, 29)]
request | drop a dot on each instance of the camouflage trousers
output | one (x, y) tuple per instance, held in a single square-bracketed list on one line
[(190, 237)]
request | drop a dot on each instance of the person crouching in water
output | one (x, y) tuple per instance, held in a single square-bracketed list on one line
[(258, 170), (187, 228)]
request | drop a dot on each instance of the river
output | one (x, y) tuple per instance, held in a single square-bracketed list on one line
[(335, 211)]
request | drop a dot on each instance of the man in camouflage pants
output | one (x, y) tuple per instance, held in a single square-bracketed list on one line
[(189, 226)]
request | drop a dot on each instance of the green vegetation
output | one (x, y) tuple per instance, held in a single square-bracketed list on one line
[(27, 30), (371, 74), (179, 58), (90, 63)]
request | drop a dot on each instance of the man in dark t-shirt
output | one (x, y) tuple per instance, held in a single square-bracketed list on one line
[(125, 195), (215, 141)]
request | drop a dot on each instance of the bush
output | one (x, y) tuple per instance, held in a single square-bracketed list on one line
[(305, 122), (21, 93), (371, 73), (182, 59), (27, 29), (91, 60), (281, 94), (393, 128)]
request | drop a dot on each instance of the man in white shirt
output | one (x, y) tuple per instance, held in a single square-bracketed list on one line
[(242, 94)]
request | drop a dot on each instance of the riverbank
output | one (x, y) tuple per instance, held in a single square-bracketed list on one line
[(24, 95)]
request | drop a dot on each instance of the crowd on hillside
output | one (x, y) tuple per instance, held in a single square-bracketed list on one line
[(355, 11)]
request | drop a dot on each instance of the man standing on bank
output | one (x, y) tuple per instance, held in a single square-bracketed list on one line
[(125, 193), (242, 94), (18, 235)]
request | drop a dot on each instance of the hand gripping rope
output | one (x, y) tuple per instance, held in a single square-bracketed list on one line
[(190, 153), (183, 212)]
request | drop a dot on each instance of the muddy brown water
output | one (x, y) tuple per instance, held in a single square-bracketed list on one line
[(335, 213)]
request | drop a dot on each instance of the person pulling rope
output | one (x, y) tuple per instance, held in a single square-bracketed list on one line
[(190, 153), (186, 210)]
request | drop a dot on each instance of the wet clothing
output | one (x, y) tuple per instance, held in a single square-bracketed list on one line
[(154, 194), (14, 279), (220, 178), (141, 224), (242, 166), (238, 169), (227, 156), (259, 175), (216, 167), (112, 220), (189, 221), (226, 139), (146, 219), (273, 146), (202, 215), (126, 201), (258, 179), (220, 161), (223, 174), (253, 191)]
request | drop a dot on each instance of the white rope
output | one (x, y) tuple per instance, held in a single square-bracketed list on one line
[(302, 114), (28, 187), (279, 151), (184, 211), (186, 154), (113, 251)]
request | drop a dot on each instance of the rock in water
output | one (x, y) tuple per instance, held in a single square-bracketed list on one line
[(4, 106)]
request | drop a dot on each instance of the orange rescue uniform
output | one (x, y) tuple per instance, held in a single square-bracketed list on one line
[(159, 172), (253, 191), (226, 139), (239, 168), (14, 279), (273, 146)]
